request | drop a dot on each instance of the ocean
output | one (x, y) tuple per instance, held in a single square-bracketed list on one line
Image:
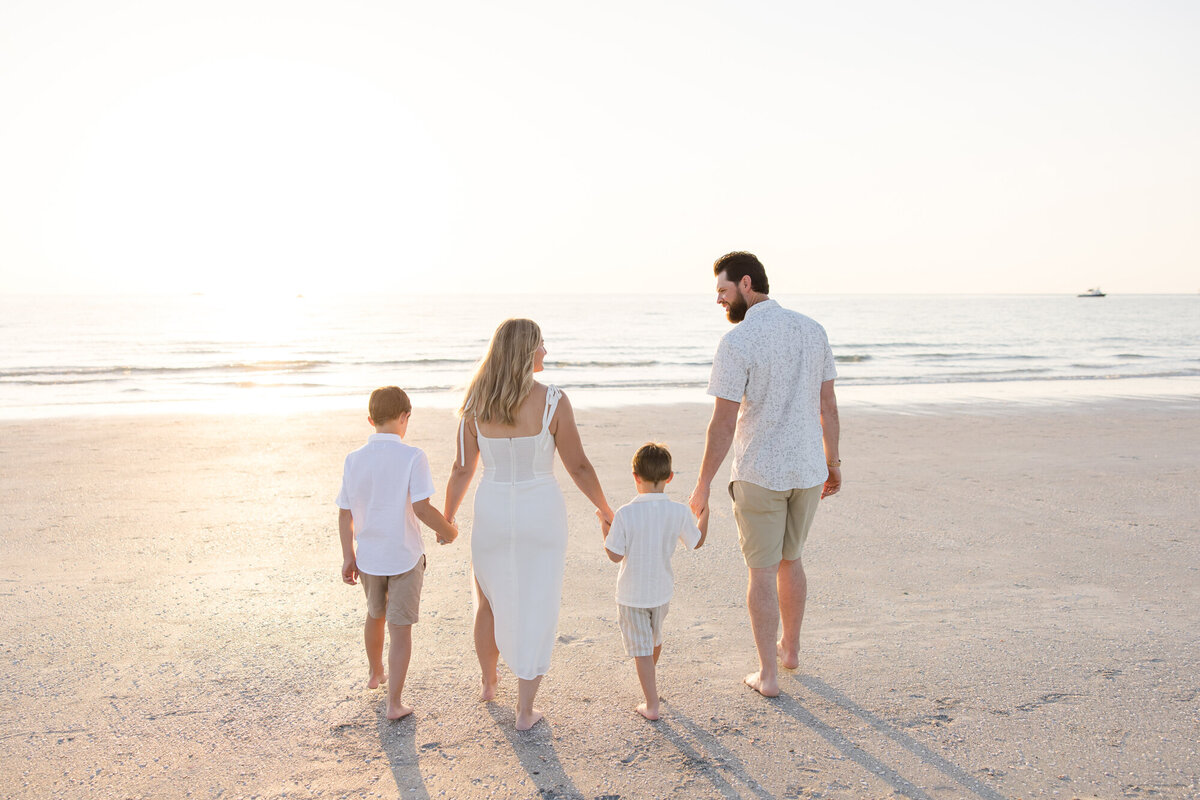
[(64, 355)]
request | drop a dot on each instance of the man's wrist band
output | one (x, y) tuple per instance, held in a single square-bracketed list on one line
[(837, 463)]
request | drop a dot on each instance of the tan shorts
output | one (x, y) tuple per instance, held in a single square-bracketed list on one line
[(772, 526), (641, 628), (398, 595)]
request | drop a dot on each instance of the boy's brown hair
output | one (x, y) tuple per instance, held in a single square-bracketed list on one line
[(388, 403), (652, 462)]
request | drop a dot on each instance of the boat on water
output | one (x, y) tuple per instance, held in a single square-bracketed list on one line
[(1092, 293)]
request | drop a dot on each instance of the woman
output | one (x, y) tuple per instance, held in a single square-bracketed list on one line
[(519, 533)]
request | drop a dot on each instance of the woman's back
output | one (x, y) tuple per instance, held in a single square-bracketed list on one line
[(523, 451)]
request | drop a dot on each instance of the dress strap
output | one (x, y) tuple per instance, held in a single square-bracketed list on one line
[(462, 450), (553, 394)]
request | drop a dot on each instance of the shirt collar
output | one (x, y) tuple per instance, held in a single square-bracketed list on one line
[(648, 496), (385, 437), (761, 304)]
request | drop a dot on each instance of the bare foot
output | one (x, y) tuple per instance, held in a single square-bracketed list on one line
[(527, 721), (788, 660), (399, 710), (767, 688), (376, 681), (489, 689), (647, 712)]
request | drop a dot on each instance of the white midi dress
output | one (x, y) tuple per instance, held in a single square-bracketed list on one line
[(519, 543)]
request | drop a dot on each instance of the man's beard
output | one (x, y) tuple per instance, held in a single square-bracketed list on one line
[(736, 310)]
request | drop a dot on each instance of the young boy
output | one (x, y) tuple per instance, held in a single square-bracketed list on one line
[(386, 486), (642, 538)]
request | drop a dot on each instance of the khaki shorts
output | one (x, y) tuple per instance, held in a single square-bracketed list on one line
[(398, 595), (772, 526), (641, 628)]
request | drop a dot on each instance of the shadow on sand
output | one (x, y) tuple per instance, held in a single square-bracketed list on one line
[(535, 751), (711, 759), (398, 741), (789, 705)]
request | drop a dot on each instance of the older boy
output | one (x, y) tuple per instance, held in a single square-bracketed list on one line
[(386, 486), (642, 538)]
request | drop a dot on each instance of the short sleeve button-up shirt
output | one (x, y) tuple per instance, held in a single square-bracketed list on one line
[(380, 482), (773, 362)]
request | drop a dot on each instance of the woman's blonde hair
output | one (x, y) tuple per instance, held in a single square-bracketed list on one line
[(505, 376)]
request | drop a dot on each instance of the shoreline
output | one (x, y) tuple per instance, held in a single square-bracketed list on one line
[(925, 397), (996, 598)]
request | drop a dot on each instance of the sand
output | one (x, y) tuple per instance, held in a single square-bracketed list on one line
[(1003, 603)]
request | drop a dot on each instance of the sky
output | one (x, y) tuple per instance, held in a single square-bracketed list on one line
[(309, 146)]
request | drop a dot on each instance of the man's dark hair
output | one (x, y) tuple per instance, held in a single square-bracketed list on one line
[(739, 263)]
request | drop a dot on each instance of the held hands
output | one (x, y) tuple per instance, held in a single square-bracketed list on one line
[(698, 502), (447, 539), (605, 524), (350, 571)]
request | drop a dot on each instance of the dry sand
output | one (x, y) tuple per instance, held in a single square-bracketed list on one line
[(1003, 603)]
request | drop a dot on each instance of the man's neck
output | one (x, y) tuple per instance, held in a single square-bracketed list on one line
[(754, 298)]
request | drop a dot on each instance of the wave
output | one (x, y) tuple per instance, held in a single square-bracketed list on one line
[(989, 377), (979, 356)]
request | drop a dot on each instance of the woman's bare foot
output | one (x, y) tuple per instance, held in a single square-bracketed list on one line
[(399, 710), (788, 660), (489, 689), (527, 721), (766, 688), (647, 712), (375, 681)]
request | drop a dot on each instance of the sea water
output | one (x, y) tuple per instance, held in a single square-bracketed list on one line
[(65, 355)]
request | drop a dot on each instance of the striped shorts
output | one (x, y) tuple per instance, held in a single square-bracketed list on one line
[(641, 628)]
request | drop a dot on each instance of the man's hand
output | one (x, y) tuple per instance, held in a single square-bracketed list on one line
[(605, 524), (833, 483), (350, 571), (698, 502)]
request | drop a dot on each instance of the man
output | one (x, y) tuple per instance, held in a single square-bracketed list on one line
[(772, 378)]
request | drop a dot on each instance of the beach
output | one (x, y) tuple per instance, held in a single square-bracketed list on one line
[(1002, 604)]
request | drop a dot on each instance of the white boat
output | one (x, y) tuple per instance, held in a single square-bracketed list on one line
[(1092, 293)]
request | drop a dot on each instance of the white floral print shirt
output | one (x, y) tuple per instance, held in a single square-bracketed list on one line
[(773, 362)]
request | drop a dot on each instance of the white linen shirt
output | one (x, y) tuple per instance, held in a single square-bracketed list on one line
[(773, 362), (645, 531), (380, 482)]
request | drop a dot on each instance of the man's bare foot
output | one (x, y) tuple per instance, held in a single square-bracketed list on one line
[(767, 688), (489, 689), (788, 660), (399, 710), (527, 721), (647, 712), (376, 681)]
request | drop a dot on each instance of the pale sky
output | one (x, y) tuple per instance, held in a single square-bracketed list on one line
[(317, 146)]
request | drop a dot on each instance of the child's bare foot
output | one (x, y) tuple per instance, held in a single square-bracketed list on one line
[(376, 681), (767, 688), (398, 710), (647, 712), (489, 688), (527, 721), (787, 659)]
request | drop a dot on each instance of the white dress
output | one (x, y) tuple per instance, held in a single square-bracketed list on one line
[(519, 543)]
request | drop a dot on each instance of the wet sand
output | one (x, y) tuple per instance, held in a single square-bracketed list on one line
[(1002, 603)]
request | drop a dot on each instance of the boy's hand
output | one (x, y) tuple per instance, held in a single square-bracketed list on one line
[(350, 571)]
